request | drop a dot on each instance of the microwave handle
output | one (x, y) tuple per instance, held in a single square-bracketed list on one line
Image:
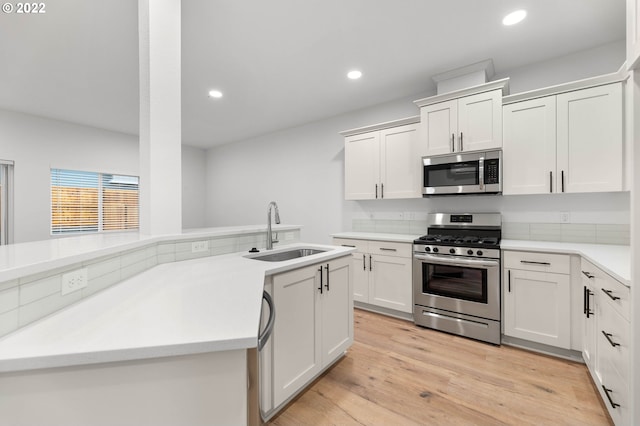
[(481, 173)]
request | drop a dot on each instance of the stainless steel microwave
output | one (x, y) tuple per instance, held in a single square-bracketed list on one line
[(465, 173)]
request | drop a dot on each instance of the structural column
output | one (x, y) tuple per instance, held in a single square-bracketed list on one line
[(160, 117)]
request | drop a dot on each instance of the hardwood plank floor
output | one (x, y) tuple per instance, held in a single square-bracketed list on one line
[(399, 374)]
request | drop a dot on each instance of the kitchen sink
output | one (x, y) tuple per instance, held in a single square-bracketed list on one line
[(287, 255)]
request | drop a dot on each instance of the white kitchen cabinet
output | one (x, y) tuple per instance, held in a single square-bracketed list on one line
[(470, 123), (313, 323), (537, 298), (383, 164), (633, 34), (571, 142), (607, 340), (382, 273)]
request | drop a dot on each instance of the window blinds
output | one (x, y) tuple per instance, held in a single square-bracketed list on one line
[(93, 202)]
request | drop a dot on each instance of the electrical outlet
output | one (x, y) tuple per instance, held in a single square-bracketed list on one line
[(565, 217), (73, 281), (198, 246)]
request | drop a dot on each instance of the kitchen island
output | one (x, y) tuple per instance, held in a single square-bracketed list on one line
[(166, 346)]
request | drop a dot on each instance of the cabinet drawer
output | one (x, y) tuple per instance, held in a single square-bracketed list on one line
[(618, 393), (615, 345), (361, 246), (611, 290), (390, 249), (541, 262)]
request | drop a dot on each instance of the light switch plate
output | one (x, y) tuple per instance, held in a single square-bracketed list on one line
[(74, 281)]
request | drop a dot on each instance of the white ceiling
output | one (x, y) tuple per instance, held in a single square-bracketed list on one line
[(280, 63)]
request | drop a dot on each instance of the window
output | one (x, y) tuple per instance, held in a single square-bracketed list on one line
[(93, 202), (6, 201)]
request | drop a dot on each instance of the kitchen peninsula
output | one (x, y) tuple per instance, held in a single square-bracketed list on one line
[(165, 345)]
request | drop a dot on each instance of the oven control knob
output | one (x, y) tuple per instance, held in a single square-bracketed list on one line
[(435, 249), (452, 251), (427, 249), (479, 253), (469, 252)]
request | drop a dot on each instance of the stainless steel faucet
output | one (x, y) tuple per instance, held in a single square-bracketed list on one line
[(270, 240)]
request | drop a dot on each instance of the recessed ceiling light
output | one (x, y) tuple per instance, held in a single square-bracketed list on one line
[(215, 93), (354, 75), (514, 17)]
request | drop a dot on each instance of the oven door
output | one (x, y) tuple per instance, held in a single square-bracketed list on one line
[(464, 285)]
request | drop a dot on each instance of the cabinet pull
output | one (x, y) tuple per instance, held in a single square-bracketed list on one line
[(608, 293), (364, 262), (382, 190), (376, 191), (606, 392), (370, 264), (320, 288), (550, 181), (387, 249), (562, 180), (509, 280), (609, 336), (453, 142), (461, 146), (347, 245), (587, 302), (530, 262), (588, 275), (584, 299), (327, 284)]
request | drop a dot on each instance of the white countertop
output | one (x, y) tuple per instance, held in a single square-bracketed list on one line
[(613, 259), (377, 236), (194, 306), (22, 259)]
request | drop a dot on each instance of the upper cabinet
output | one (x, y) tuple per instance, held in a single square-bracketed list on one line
[(383, 163), (633, 34), (570, 142), (462, 121)]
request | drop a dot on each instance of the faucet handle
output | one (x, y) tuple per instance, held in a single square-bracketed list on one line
[(275, 239)]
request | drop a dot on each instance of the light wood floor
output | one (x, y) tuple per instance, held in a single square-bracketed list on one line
[(399, 374)]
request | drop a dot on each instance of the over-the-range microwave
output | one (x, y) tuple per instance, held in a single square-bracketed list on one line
[(463, 173)]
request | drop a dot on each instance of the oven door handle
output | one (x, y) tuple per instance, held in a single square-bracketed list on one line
[(447, 260)]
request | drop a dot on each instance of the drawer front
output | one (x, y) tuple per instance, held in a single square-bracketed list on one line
[(390, 249), (615, 345), (611, 290), (540, 262), (361, 246), (617, 393)]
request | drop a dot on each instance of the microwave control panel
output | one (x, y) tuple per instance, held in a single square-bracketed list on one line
[(491, 173)]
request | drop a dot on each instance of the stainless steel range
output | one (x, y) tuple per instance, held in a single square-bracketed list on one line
[(456, 275)]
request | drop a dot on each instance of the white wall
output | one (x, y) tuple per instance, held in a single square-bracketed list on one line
[(37, 144), (303, 168), (194, 166)]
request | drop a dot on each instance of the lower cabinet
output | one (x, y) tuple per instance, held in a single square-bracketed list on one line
[(381, 273), (537, 297), (607, 338), (313, 324)]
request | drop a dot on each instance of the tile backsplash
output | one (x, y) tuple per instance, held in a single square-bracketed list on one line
[(33, 297), (590, 233)]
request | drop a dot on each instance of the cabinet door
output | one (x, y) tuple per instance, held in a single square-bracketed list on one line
[(590, 325), (400, 163), (337, 309), (361, 277), (439, 125), (297, 356), (537, 307), (633, 33), (390, 283), (590, 140), (480, 121), (529, 147), (362, 166)]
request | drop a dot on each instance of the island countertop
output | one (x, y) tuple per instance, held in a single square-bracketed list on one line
[(194, 306)]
